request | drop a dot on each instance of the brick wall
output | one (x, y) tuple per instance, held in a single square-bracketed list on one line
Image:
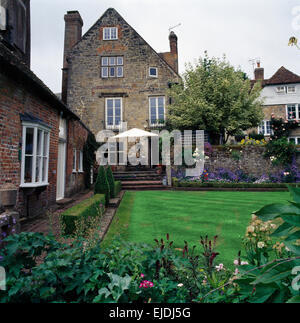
[(16, 99), (77, 135)]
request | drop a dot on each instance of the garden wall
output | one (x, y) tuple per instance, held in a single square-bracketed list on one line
[(250, 159)]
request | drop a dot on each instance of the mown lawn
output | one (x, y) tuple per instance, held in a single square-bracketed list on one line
[(144, 216)]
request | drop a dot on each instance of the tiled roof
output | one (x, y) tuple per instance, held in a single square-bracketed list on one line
[(13, 65), (283, 76)]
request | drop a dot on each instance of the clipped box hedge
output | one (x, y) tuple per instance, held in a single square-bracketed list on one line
[(118, 188), (89, 207), (193, 184)]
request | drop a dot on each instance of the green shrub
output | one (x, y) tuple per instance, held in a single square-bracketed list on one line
[(111, 181), (102, 186), (280, 151), (256, 136), (89, 208), (118, 188)]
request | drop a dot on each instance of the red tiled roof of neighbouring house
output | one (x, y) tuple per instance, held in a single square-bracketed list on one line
[(283, 76)]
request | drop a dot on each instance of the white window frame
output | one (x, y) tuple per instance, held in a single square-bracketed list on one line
[(80, 166), (291, 87), (154, 76), (265, 128), (157, 124), (109, 29), (114, 126), (297, 106), (74, 160), (45, 130)]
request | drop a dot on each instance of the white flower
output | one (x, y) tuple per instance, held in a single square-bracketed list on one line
[(261, 245), (236, 262), (287, 249), (236, 272), (220, 267), (206, 158), (180, 285), (244, 263)]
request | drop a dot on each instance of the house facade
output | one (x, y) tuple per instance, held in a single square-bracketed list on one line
[(281, 98), (112, 75), (41, 140)]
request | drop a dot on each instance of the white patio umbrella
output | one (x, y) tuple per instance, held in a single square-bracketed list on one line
[(135, 133)]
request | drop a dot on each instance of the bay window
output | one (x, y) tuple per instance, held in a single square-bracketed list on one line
[(293, 112), (35, 155)]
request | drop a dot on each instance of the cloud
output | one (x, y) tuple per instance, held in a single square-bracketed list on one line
[(242, 30)]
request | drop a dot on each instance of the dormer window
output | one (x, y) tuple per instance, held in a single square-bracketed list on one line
[(153, 72), (110, 33)]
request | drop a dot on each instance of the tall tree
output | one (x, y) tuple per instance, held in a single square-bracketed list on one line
[(215, 97)]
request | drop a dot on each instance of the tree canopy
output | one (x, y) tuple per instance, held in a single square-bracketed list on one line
[(215, 97)]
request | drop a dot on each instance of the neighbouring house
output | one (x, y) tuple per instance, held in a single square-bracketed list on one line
[(41, 139), (112, 75), (281, 97)]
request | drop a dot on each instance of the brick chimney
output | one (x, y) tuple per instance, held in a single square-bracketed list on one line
[(259, 73), (73, 34), (174, 49)]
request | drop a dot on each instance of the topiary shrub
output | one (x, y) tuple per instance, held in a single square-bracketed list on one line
[(118, 188), (102, 186), (111, 181)]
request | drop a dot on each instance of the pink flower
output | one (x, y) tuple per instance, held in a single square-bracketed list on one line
[(142, 275), (236, 262)]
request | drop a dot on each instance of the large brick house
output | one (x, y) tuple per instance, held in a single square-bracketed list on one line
[(281, 97), (41, 140), (112, 75)]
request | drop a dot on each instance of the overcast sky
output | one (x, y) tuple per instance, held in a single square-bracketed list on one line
[(241, 29)]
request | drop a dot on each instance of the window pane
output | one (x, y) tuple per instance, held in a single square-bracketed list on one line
[(29, 141), (28, 170), (110, 121), (110, 103), (112, 72), (153, 115), (38, 172), (118, 103), (46, 136), (161, 113), (45, 163), (104, 61), (120, 60), (161, 102), (106, 33), (152, 102), (110, 112), (104, 71), (113, 33), (118, 112), (120, 71), (39, 143), (112, 61)]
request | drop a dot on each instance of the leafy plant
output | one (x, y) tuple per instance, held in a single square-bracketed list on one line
[(89, 158), (280, 151)]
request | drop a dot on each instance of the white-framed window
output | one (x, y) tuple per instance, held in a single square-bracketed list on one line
[(153, 72), (110, 33), (113, 108), (291, 89), (265, 128), (80, 166), (74, 160), (293, 111), (295, 140), (112, 66), (35, 155), (157, 111)]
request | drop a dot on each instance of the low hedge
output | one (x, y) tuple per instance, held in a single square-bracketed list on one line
[(118, 188), (89, 207), (193, 184)]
